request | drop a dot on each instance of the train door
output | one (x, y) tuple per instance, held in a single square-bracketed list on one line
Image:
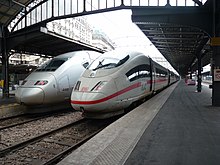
[(145, 77), (169, 77), (121, 84), (64, 87), (79, 64), (153, 76)]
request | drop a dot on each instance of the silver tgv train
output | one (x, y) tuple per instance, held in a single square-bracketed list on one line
[(117, 79), (53, 81)]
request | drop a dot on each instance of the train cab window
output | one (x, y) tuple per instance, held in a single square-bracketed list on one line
[(122, 61), (141, 71), (107, 63), (52, 65)]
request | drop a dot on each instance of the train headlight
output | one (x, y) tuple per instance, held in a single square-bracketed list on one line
[(99, 86), (76, 88), (41, 82)]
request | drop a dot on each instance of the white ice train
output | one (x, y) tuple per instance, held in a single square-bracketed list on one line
[(53, 82), (117, 79)]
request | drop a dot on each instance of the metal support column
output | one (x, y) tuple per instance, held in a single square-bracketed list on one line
[(199, 76), (190, 74), (215, 74), (216, 56), (5, 65)]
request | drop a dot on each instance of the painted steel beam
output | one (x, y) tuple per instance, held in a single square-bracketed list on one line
[(199, 17)]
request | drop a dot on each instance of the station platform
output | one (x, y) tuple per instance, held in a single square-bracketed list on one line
[(176, 127), (9, 107), (6, 101)]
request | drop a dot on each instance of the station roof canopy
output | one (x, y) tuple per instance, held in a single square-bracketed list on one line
[(9, 9), (33, 39), (179, 44), (40, 40), (179, 33)]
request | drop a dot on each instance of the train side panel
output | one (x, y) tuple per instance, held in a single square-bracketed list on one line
[(53, 81), (68, 74), (161, 77), (137, 77), (91, 98), (117, 80)]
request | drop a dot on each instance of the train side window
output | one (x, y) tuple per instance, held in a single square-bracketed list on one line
[(122, 61), (52, 65), (161, 73), (138, 72), (132, 74), (144, 71)]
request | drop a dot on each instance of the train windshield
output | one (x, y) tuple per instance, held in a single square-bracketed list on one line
[(52, 65), (107, 63)]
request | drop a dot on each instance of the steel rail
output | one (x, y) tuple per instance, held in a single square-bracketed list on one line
[(23, 144), (57, 157), (27, 121)]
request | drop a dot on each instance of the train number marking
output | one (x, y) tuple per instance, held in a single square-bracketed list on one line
[(65, 89)]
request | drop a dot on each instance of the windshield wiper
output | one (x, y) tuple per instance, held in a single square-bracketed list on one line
[(105, 66)]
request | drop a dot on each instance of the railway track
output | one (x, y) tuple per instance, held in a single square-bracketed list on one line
[(22, 132), (50, 147), (13, 121)]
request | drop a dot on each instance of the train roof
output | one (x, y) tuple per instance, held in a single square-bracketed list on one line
[(67, 55), (121, 53), (71, 54), (57, 61), (159, 66)]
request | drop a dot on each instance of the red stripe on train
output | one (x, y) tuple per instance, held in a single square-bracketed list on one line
[(113, 95), (108, 97)]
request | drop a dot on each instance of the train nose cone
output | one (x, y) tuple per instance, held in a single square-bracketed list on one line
[(90, 101), (30, 96)]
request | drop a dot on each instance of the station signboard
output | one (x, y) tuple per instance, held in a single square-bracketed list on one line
[(215, 41), (1, 83)]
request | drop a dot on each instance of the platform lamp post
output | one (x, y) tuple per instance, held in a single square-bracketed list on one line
[(199, 77)]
